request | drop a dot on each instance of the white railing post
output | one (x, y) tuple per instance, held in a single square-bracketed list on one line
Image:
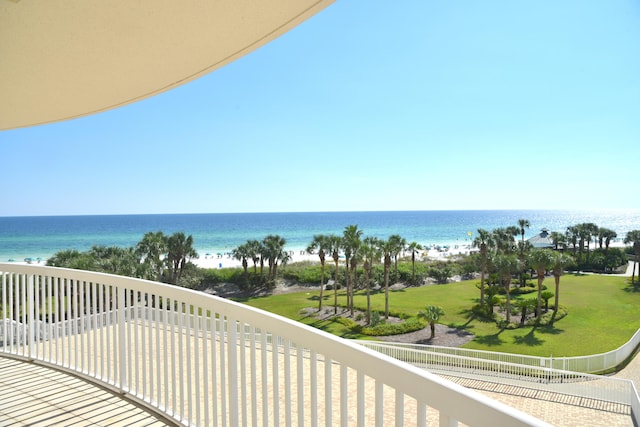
[(31, 316), (232, 376), (122, 339)]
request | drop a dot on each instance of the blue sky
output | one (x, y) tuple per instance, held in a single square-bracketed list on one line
[(369, 105)]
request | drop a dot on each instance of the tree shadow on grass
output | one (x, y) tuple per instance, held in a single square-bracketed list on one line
[(469, 315), (316, 298), (529, 339), (632, 288), (490, 340), (550, 329)]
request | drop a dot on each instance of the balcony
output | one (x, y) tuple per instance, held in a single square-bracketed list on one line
[(201, 360)]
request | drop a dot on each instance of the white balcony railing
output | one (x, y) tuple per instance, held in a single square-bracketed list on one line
[(203, 360)]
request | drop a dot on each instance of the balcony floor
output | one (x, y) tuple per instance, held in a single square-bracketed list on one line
[(33, 395)]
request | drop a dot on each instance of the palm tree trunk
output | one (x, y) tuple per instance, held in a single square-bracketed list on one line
[(413, 268), (348, 278), (386, 289), (366, 280), (507, 286), (321, 285), (557, 296), (335, 290), (539, 305)]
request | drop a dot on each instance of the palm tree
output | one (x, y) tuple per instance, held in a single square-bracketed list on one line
[(282, 257), (274, 250), (321, 244), (335, 246), (608, 235), (572, 237), (605, 235), (503, 239), (351, 242), (254, 250), (180, 250), (633, 237), (481, 241), (506, 266), (151, 250), (370, 254), (241, 253), (413, 248), (558, 239), (523, 223), (432, 314), (541, 260), (524, 305), (387, 248), (559, 262), (589, 231), (546, 296), (398, 244)]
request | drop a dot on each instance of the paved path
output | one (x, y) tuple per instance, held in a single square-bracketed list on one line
[(556, 409)]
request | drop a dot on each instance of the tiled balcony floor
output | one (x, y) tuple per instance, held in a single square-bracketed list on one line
[(33, 395)]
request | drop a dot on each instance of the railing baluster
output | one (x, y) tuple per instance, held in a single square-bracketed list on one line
[(313, 373), (30, 313), (300, 386), (286, 351), (224, 390), (122, 341), (215, 389), (379, 402), (344, 396), (360, 399), (181, 347), (198, 362), (276, 380), (264, 371), (232, 371), (205, 365), (399, 404), (254, 376)]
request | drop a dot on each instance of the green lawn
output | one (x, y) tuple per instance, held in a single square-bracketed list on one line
[(603, 314)]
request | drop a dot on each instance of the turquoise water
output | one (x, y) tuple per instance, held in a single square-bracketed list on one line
[(22, 237)]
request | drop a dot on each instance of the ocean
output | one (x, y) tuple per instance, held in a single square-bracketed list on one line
[(42, 236)]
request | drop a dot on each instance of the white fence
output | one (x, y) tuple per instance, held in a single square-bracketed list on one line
[(585, 385), (587, 364), (203, 360)]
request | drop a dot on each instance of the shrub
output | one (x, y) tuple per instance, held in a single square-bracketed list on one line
[(375, 318), (440, 273), (484, 311), (382, 329), (527, 289)]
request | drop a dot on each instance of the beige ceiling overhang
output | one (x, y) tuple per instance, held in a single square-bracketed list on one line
[(62, 59)]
